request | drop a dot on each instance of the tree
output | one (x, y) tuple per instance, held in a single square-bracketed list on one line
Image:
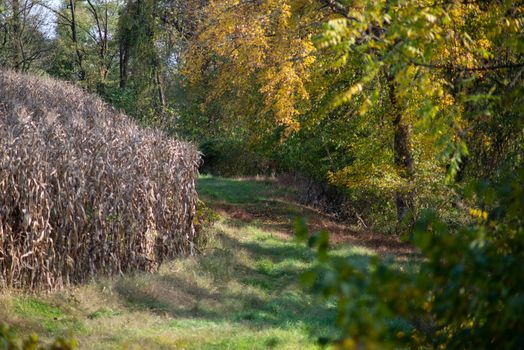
[(22, 40), (250, 51), (86, 48), (452, 65), (140, 58), (427, 53)]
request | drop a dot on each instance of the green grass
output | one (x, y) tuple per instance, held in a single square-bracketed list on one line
[(241, 293), (44, 317), (239, 191)]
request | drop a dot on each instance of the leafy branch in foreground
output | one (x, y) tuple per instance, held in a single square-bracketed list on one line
[(8, 341), (468, 293)]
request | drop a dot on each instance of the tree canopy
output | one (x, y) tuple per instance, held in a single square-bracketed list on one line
[(398, 106)]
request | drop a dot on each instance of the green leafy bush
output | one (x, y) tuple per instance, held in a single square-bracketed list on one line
[(229, 157), (467, 294)]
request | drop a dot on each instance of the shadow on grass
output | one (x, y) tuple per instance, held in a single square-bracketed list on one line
[(249, 281), (249, 277), (264, 203)]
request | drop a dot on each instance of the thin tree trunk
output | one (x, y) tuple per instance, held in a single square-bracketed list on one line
[(403, 155), (101, 28), (160, 88), (124, 60), (74, 37), (16, 28)]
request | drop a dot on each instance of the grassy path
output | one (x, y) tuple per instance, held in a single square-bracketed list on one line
[(241, 293)]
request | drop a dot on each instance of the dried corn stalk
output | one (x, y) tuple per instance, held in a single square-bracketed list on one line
[(84, 190)]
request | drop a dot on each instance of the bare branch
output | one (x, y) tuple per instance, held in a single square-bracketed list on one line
[(462, 68)]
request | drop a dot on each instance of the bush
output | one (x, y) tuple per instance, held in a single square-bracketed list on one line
[(228, 157), (84, 189), (468, 294)]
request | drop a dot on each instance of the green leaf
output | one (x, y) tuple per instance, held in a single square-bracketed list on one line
[(301, 232)]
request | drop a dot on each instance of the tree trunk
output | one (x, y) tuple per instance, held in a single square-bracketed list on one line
[(16, 39), (74, 37), (124, 61), (402, 151), (160, 88)]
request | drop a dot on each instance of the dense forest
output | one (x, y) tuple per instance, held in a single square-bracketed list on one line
[(402, 118)]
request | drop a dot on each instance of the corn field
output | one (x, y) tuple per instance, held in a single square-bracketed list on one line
[(84, 190)]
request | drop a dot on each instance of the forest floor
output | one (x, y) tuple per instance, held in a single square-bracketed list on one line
[(242, 292)]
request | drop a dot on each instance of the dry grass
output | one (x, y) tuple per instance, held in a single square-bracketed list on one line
[(84, 190)]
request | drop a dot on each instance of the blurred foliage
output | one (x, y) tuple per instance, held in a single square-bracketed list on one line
[(467, 294), (449, 67), (9, 341)]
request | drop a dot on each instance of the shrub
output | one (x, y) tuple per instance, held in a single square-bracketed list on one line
[(228, 157), (468, 293), (84, 189)]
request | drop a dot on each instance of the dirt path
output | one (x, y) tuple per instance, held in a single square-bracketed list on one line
[(275, 207)]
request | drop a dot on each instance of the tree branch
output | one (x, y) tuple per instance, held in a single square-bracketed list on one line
[(459, 68), (338, 8)]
